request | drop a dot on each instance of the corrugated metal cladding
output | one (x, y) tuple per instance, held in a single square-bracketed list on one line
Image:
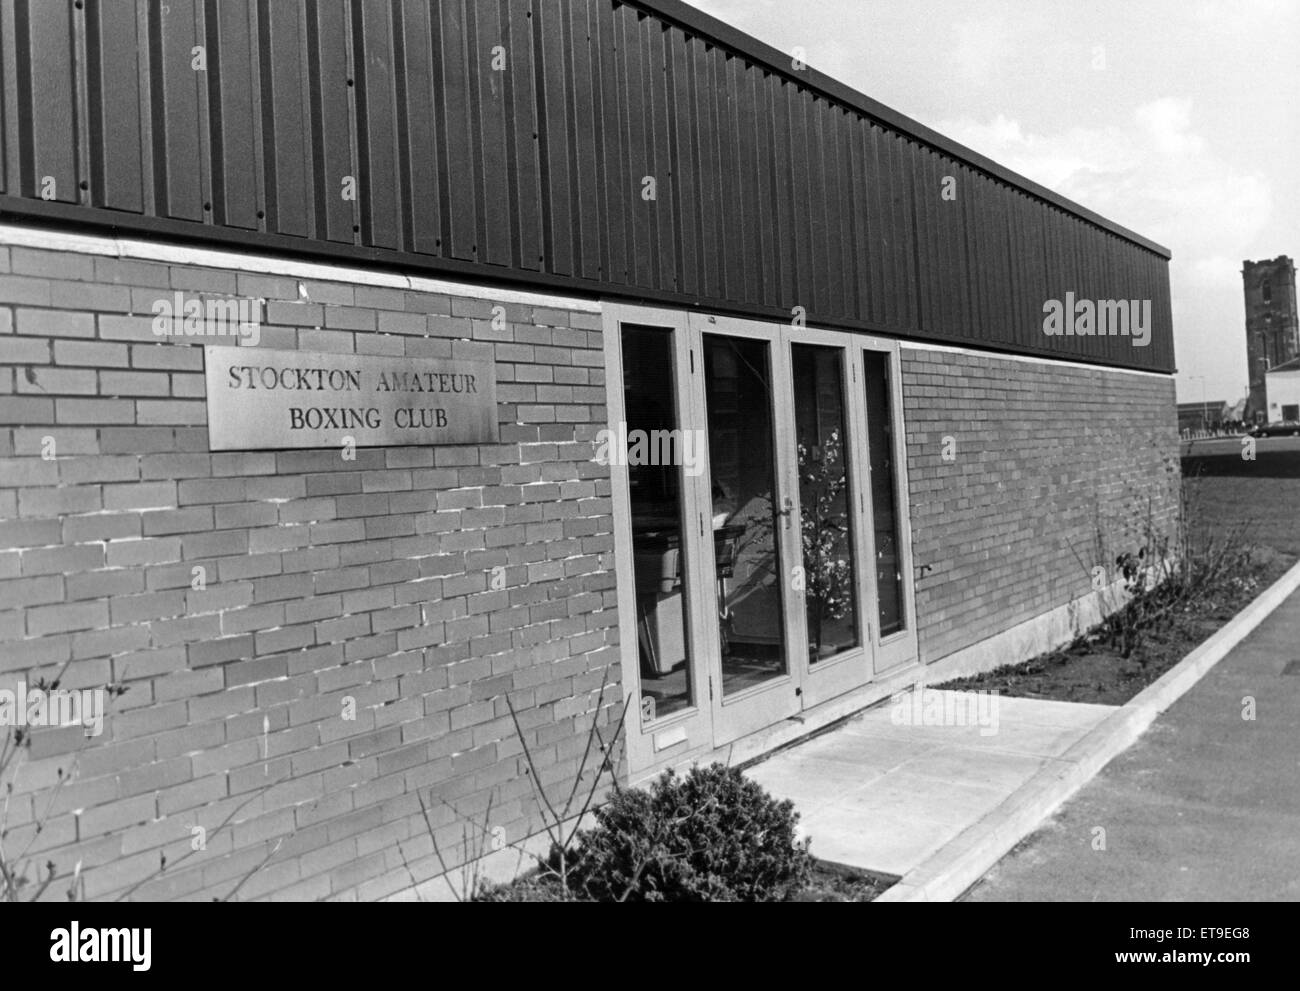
[(512, 139)]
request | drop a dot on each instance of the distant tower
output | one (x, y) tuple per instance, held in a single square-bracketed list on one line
[(1272, 329)]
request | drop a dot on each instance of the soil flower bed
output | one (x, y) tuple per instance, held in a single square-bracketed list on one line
[(1093, 667)]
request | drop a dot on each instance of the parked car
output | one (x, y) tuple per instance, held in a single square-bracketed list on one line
[(1282, 428)]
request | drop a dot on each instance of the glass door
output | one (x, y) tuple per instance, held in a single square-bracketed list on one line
[(751, 553), (828, 450), (655, 453), (887, 515), (762, 544)]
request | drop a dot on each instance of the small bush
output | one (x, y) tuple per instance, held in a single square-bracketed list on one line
[(712, 835)]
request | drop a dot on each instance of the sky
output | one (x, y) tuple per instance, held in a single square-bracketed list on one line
[(1176, 118)]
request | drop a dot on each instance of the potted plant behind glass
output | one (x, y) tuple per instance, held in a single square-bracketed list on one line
[(828, 574)]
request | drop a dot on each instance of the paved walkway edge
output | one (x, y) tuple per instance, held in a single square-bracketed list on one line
[(969, 856)]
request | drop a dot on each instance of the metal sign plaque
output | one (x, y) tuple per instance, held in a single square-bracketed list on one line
[(264, 400)]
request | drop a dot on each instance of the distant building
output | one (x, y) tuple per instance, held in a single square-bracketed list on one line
[(1282, 391), (1272, 329), (1201, 416)]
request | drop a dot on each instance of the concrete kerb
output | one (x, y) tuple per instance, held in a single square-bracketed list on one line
[(969, 856)]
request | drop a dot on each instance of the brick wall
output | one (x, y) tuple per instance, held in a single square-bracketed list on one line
[(330, 580), (325, 580), (1057, 469)]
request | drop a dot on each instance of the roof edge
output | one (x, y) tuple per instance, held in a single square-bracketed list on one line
[(706, 25)]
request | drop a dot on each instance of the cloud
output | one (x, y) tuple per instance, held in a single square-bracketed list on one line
[(981, 46), (1167, 124), (1216, 272), (1057, 161), (1243, 15), (1154, 173)]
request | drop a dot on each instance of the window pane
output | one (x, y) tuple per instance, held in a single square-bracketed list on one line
[(655, 489), (826, 534), (884, 503), (737, 385)]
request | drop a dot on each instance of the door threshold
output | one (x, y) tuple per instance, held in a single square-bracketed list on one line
[(813, 722)]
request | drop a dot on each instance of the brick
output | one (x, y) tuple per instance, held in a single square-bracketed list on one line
[(28, 533), (30, 591), (90, 296), (55, 323), (100, 526), (166, 357), (130, 272), (116, 816), (26, 410), (187, 386), (146, 608), (220, 651), (329, 341), (63, 560), (134, 383), (90, 354), (129, 553), (148, 721), (56, 442), (78, 471), (57, 502), (104, 584), (52, 264), (295, 314), (168, 522), (25, 351), (28, 472), (97, 411), (146, 495), (206, 279), (177, 411), (66, 618), (268, 287), (22, 289), (128, 328), (57, 381), (338, 318)]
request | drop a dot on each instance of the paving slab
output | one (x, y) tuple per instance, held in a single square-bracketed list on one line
[(883, 795)]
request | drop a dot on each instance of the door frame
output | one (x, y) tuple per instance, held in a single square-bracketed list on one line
[(780, 697), (668, 737), (707, 723), (897, 649), (853, 668)]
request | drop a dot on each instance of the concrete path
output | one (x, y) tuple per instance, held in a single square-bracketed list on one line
[(882, 795), (1206, 805)]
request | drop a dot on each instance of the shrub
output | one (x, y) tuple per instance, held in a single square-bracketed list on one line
[(712, 835), (1172, 576)]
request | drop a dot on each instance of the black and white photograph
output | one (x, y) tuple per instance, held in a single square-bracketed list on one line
[(615, 451)]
